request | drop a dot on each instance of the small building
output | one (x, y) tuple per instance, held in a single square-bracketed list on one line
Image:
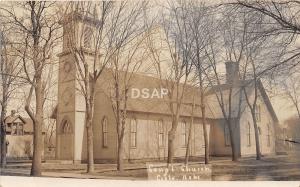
[(19, 136)]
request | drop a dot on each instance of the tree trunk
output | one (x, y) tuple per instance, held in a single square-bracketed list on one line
[(3, 134), (36, 168), (187, 153), (3, 145), (171, 137), (206, 159), (234, 152), (89, 125), (120, 165), (90, 146), (257, 143)]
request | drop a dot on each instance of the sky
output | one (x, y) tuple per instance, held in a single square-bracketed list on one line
[(282, 107)]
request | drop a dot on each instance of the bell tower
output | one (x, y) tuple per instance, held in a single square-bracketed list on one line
[(70, 130)]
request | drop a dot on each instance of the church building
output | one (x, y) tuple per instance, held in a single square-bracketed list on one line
[(149, 120)]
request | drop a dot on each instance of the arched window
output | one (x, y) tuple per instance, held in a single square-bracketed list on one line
[(268, 135), (104, 132), (258, 113), (184, 133), (66, 127), (227, 135), (248, 134), (133, 133), (87, 37), (161, 134)]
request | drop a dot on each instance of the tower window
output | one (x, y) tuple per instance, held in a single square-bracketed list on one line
[(66, 127), (87, 37)]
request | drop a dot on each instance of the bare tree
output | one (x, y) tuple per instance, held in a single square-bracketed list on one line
[(291, 91), (88, 20), (128, 59), (37, 28), (171, 41), (199, 24), (188, 147), (259, 52), (220, 41), (9, 72), (282, 20), (114, 26)]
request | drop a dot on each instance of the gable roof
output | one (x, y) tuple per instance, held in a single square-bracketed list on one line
[(155, 105), (160, 106), (237, 89), (28, 124)]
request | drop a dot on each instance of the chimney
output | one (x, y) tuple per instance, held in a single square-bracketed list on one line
[(12, 113), (232, 72)]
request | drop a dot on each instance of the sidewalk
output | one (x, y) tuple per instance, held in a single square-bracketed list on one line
[(269, 168)]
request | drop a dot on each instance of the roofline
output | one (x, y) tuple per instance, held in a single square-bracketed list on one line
[(268, 102), (18, 116)]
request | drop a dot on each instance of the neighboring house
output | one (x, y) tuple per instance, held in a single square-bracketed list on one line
[(19, 136), (149, 120)]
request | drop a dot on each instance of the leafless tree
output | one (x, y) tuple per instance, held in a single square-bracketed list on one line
[(188, 147), (199, 22), (220, 41), (37, 28), (260, 52), (170, 40), (86, 34), (111, 27), (122, 71), (291, 91), (9, 73), (282, 20), (130, 55)]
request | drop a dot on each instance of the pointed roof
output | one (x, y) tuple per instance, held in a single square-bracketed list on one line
[(237, 89), (28, 124)]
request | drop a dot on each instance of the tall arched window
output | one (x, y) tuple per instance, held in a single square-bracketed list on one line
[(87, 37), (66, 127), (227, 135), (133, 133), (268, 135), (248, 134), (161, 136), (184, 133), (258, 113), (104, 132)]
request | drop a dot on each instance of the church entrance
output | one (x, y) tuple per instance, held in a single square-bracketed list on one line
[(66, 141)]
